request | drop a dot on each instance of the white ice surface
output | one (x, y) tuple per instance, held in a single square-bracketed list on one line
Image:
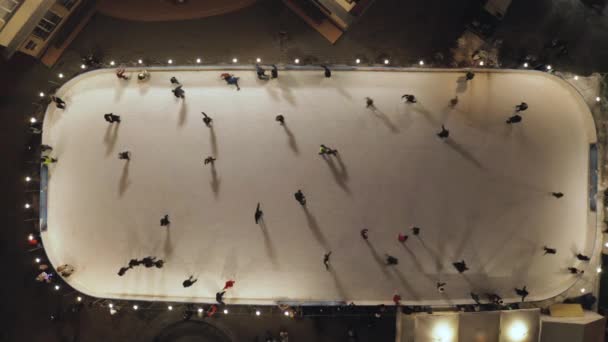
[(482, 196)]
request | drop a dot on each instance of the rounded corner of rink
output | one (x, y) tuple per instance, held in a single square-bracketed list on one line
[(483, 195)]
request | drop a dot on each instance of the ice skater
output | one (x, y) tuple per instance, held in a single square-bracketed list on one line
[(159, 263), (300, 197), (46, 160), (258, 213), (143, 75), (369, 103), (444, 134), (274, 72), (494, 298), (229, 284), (179, 92), (324, 150), (441, 287), (126, 155), (120, 73), (209, 160), (148, 261), (557, 194), (327, 71), (364, 233), (189, 282), (231, 79), (402, 237), (207, 119), (261, 72), (469, 76), (521, 107), (134, 263), (122, 271), (549, 250), (460, 266), (281, 119), (164, 221), (582, 257), (397, 299), (111, 118), (58, 102), (514, 119), (326, 260), (575, 270), (409, 98), (523, 293), (391, 260), (416, 230), (219, 297), (174, 81), (475, 298)]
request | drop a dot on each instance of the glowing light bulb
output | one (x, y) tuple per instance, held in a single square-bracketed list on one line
[(357, 61), (170, 61), (135, 307), (27, 205), (112, 63), (421, 62), (297, 61), (386, 61), (57, 287), (258, 60), (140, 61), (200, 310), (110, 305), (549, 67), (60, 75), (525, 65), (234, 60), (82, 66), (198, 60), (257, 312), (481, 63), (583, 290), (169, 308), (79, 299), (225, 311), (598, 99), (576, 78), (33, 120), (41, 94), (286, 313)]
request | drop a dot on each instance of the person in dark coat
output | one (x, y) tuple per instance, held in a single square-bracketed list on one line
[(521, 107), (444, 133), (494, 298), (189, 282), (122, 271), (174, 81), (460, 266), (258, 213), (327, 71), (126, 155), (261, 72), (549, 250), (206, 119), (582, 257), (165, 221), (364, 233), (134, 262), (58, 102), (280, 118), (409, 98), (391, 260), (111, 118), (326, 260), (575, 270), (219, 297), (179, 92), (523, 293), (513, 119), (275, 72), (416, 230), (300, 197), (469, 75), (148, 261), (557, 194), (209, 160)]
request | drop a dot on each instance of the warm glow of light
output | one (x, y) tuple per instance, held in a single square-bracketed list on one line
[(606, 244), (257, 312), (481, 63), (110, 305), (27, 179), (30, 237), (112, 63), (357, 61), (549, 67), (82, 66), (198, 60), (37, 260), (79, 299), (583, 290), (27, 205), (60, 75), (140, 61), (170, 61), (421, 62), (258, 60), (33, 120), (576, 78), (169, 308), (386, 61), (286, 313), (297, 61), (234, 60), (598, 99), (41, 94), (518, 331), (225, 311), (200, 310), (525, 65), (598, 270), (442, 332), (57, 287), (135, 307)]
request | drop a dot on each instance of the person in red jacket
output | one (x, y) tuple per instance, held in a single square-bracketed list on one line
[(229, 284)]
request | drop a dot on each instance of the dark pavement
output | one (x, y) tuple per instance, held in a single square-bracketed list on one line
[(403, 30)]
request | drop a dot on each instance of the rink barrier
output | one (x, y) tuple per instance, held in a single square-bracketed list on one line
[(44, 174), (589, 123)]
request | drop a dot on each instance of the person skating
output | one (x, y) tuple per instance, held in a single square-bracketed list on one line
[(281, 119), (494, 298), (460, 266), (397, 299), (444, 134), (514, 119), (402, 237), (300, 197), (364, 233), (179, 92), (219, 297), (229, 284), (369, 103), (258, 213), (209, 160), (409, 98), (164, 221), (46, 160), (189, 282), (324, 150), (475, 298), (111, 118), (327, 71), (274, 72), (123, 270), (148, 261), (557, 194), (549, 250), (174, 81), (469, 76), (231, 79), (206, 119), (441, 287), (212, 310), (134, 263), (126, 155), (326, 260), (582, 257), (159, 263), (391, 260), (120, 73), (261, 72), (521, 107), (523, 293), (575, 270), (416, 230), (44, 148), (58, 102)]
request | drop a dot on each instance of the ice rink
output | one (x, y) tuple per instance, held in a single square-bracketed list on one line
[(483, 195)]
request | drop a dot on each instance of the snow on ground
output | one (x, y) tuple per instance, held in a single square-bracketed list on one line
[(482, 196)]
